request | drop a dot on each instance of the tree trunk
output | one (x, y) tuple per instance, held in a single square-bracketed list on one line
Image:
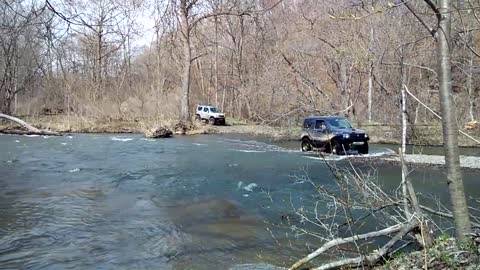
[(404, 135), (187, 62), (216, 62), (449, 125), (409, 195), (6, 104), (471, 95), (202, 80), (370, 90), (370, 80), (343, 86)]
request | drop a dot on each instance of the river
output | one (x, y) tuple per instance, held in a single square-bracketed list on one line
[(198, 202)]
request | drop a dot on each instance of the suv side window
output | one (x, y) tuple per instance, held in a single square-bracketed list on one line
[(320, 125), (199, 108), (308, 124), (205, 109)]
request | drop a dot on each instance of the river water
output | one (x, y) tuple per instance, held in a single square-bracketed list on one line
[(124, 202)]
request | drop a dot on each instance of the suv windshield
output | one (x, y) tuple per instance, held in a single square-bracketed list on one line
[(339, 123), (213, 110)]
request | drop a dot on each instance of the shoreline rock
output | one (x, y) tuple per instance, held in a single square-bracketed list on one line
[(161, 132)]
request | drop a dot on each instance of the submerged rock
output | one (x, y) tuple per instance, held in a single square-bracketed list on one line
[(161, 132)]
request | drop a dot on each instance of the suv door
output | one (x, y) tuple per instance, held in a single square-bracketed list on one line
[(321, 132), (204, 114)]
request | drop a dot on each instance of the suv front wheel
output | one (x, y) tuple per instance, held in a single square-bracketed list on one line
[(306, 145), (211, 120), (338, 148), (364, 149)]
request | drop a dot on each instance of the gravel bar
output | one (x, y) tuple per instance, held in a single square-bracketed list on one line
[(465, 161)]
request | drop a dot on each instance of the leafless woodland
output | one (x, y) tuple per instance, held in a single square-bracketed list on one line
[(269, 61)]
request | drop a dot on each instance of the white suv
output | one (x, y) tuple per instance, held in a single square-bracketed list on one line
[(210, 114)]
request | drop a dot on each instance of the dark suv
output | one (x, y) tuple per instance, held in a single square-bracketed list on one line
[(333, 134)]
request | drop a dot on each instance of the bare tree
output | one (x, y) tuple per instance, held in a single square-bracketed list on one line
[(449, 122), (190, 14), (21, 40)]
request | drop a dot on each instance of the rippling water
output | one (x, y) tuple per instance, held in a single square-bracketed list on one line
[(123, 202)]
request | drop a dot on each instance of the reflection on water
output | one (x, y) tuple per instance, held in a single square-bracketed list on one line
[(104, 202)]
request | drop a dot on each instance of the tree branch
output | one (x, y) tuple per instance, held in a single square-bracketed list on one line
[(374, 256), (309, 82), (217, 14), (400, 229), (445, 215), (434, 8), (430, 30)]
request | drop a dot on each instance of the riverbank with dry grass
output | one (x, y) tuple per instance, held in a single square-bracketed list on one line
[(444, 254), (430, 135), (79, 124)]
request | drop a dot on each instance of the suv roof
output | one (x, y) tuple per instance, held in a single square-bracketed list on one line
[(208, 106), (324, 117)]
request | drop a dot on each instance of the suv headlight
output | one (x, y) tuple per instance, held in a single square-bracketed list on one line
[(346, 136), (366, 135)]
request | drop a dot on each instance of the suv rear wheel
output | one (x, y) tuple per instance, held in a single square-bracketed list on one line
[(306, 145), (197, 117)]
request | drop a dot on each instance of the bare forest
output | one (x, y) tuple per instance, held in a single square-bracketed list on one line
[(270, 62), (266, 61)]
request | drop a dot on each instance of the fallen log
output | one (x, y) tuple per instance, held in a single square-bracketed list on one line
[(400, 229), (30, 130)]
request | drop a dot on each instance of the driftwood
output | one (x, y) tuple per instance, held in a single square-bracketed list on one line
[(356, 189), (400, 229), (30, 130)]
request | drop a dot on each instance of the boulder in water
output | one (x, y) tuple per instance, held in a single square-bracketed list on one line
[(161, 132)]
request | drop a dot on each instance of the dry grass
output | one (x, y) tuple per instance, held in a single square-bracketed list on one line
[(444, 254)]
